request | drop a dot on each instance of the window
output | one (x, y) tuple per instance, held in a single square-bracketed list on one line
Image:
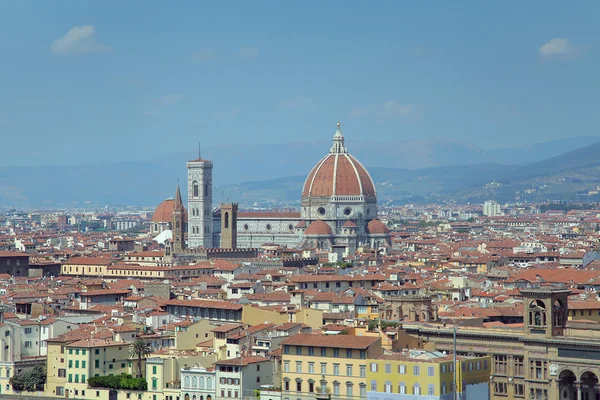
[(323, 352), (286, 366), (500, 387), (336, 353), (401, 369), (519, 390), (70, 363), (323, 368), (402, 388), (500, 366), (311, 351), (336, 369), (443, 368), (348, 353), (154, 383), (28, 344), (388, 387), (349, 389), (417, 389), (298, 350), (83, 364), (416, 370), (373, 367), (519, 366), (70, 378), (96, 363), (154, 369), (348, 370), (62, 373), (286, 385), (373, 386), (27, 330), (298, 367), (363, 371), (298, 386), (70, 351), (311, 367), (76, 363), (363, 390), (336, 388), (478, 365), (388, 368), (97, 351), (430, 390), (83, 380), (286, 349), (311, 386), (430, 371), (363, 354), (538, 369)]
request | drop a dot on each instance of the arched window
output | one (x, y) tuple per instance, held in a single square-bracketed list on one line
[(194, 382), (195, 189), (209, 385), (205, 190), (388, 387), (417, 389), (186, 382), (201, 380), (226, 220)]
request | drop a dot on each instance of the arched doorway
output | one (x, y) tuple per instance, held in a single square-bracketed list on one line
[(589, 384), (566, 384), (186, 397)]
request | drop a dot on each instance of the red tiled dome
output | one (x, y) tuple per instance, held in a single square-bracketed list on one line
[(318, 227), (164, 212), (376, 227), (349, 224), (338, 174)]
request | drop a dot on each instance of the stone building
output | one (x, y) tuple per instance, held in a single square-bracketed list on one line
[(547, 358)]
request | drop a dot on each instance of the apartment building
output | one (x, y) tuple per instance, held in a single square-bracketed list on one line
[(318, 366), (420, 374)]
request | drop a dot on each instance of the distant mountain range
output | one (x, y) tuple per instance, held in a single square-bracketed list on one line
[(413, 171)]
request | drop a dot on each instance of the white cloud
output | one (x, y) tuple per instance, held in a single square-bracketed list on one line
[(249, 52), (79, 40), (558, 47), (204, 55), (388, 109)]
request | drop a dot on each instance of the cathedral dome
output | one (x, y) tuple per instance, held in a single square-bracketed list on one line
[(318, 227), (338, 174), (164, 212), (376, 227)]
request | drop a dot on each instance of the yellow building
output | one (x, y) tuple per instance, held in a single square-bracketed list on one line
[(327, 366), (254, 315), (424, 373), (70, 365)]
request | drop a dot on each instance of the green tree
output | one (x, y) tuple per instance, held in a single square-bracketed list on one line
[(30, 380), (139, 349)]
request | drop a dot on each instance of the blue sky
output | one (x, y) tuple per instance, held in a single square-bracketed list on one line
[(113, 80)]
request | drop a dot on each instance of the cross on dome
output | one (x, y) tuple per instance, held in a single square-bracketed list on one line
[(338, 142)]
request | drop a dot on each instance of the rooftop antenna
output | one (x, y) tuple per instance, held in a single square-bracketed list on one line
[(199, 152)]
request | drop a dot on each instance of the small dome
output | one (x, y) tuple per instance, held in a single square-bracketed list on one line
[(301, 224), (349, 224), (318, 227), (164, 212), (376, 227)]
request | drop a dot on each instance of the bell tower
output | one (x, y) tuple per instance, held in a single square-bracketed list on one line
[(200, 218), (229, 226), (545, 311), (178, 225)]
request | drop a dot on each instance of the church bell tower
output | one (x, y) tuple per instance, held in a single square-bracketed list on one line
[(200, 218), (178, 241)]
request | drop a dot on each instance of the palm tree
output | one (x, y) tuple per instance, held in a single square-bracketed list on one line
[(139, 349)]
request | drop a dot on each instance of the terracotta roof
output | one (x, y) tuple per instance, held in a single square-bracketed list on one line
[(223, 305), (243, 361), (376, 227), (337, 341), (318, 227), (349, 224)]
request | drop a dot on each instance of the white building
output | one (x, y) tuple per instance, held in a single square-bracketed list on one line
[(242, 376), (492, 208), (198, 383)]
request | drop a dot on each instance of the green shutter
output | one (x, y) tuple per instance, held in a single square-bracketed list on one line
[(83, 364), (70, 377), (154, 369), (76, 363)]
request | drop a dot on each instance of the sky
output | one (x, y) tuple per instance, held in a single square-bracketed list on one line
[(84, 82)]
